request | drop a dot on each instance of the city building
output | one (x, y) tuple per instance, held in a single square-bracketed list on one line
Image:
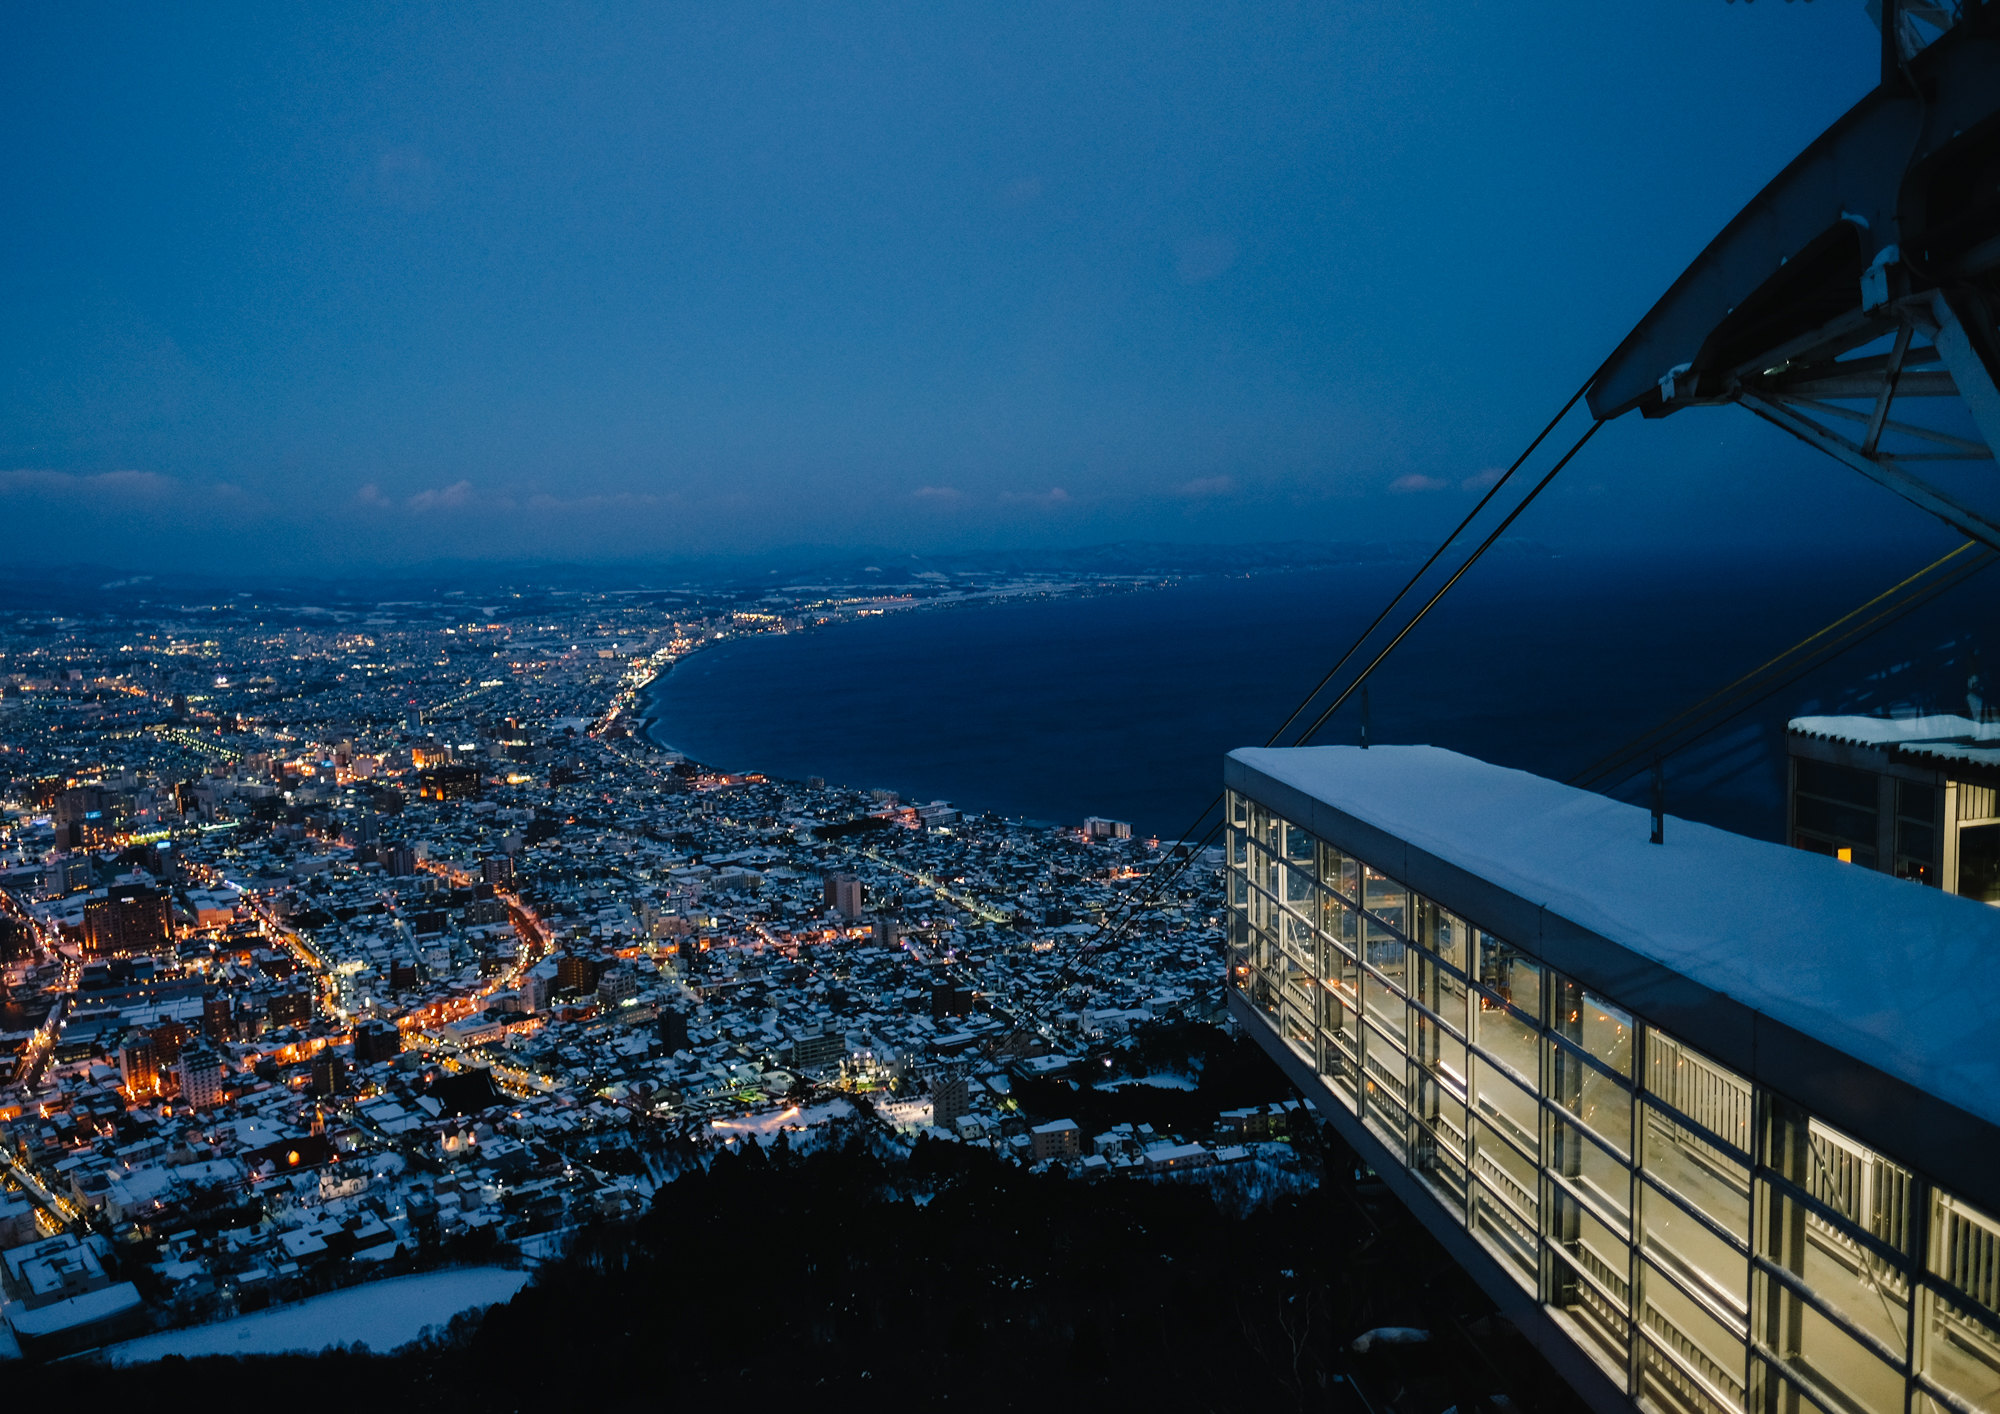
[(376, 1041), (201, 1076), (17, 939), (951, 1100), (1058, 1139), (1917, 797), (130, 919), (1715, 1122), (949, 998), (63, 1300), (448, 783), (617, 985), (845, 894), (81, 816), (1097, 828), (167, 1039), (329, 1073), (578, 972), (817, 1051), (497, 870), (293, 1005), (139, 1066), (538, 984), (217, 1018)]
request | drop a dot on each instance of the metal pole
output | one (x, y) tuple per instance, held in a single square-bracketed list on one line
[(1659, 801)]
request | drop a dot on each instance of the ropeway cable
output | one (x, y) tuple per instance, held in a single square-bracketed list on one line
[(1786, 667), (1110, 932), (1446, 587), (1424, 569), (1389, 608), (1646, 743)]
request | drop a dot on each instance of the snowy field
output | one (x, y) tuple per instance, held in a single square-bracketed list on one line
[(381, 1315), (1160, 1080), (765, 1128)]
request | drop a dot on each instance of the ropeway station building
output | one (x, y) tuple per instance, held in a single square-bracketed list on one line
[(1716, 1122)]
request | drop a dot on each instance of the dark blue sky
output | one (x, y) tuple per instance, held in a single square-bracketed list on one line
[(326, 286)]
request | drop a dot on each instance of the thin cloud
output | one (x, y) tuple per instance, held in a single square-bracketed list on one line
[(1054, 496), (1480, 480), (1416, 481), (454, 497), (936, 493), (1203, 487), (100, 483), (462, 495)]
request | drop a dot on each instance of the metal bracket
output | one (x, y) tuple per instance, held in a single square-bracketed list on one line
[(1971, 349), (1795, 395), (1883, 471)]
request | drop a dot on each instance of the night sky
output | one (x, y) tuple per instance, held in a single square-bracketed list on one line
[(341, 286)]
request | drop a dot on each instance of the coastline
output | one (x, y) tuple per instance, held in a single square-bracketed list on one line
[(1123, 704), (649, 719)]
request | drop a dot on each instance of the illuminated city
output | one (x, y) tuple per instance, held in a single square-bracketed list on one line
[(337, 947)]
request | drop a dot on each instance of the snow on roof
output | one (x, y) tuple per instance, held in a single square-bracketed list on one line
[(1898, 731), (1950, 751), (1893, 973), (76, 1311)]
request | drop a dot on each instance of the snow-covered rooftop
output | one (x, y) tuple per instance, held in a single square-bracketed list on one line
[(99, 1305), (1943, 736), (1898, 731), (1895, 974)]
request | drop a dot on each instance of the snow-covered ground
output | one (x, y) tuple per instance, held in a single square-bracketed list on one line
[(1160, 1080), (766, 1127), (1272, 1171), (381, 1315)]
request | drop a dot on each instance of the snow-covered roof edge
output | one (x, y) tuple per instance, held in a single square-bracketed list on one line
[(1888, 974)]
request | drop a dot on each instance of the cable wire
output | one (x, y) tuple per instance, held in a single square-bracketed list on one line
[(1446, 587), (1424, 569), (1110, 931), (1787, 667)]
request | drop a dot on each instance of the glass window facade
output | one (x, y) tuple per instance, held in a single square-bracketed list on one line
[(1712, 1245)]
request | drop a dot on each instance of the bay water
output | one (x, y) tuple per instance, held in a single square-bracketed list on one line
[(1122, 704)]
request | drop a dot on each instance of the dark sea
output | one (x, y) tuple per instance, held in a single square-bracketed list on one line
[(1122, 704)]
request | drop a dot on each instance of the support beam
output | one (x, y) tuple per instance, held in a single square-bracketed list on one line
[(1971, 349), (1883, 471), (1967, 449), (1890, 374), (1822, 345), (1836, 380)]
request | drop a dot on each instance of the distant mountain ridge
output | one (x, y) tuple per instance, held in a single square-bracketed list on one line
[(97, 588)]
